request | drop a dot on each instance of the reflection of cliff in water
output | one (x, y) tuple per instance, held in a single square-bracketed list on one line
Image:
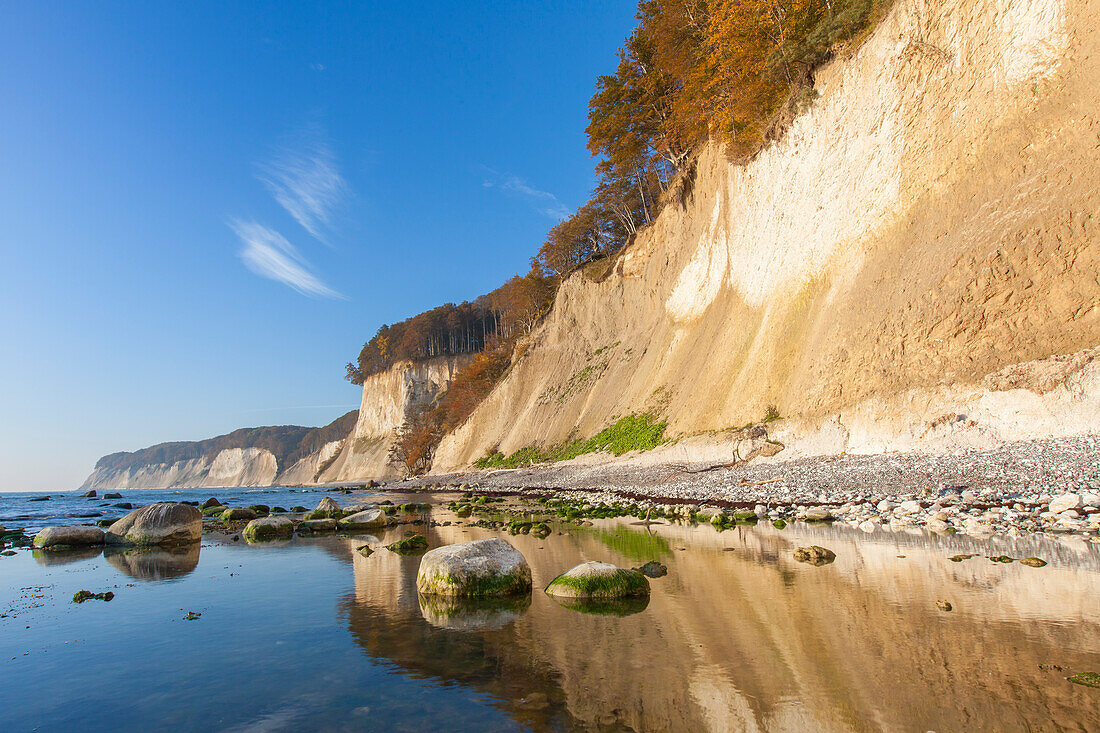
[(154, 563), (739, 636)]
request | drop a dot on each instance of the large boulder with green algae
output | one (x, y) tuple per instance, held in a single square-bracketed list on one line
[(368, 519), (478, 569), (316, 526), (268, 528), (157, 524), (594, 580), (238, 514), (327, 508), (61, 538)]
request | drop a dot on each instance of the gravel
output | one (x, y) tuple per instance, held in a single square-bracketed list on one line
[(956, 491)]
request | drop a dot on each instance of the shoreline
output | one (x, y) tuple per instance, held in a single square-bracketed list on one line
[(1002, 490)]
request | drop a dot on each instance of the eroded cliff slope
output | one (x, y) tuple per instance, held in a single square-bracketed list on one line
[(919, 255)]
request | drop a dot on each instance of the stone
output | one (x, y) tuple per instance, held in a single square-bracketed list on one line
[(268, 528), (163, 523), (1065, 502), (1033, 562), (315, 526), (209, 503), (817, 514), (652, 569), (369, 519), (478, 569), (594, 580), (112, 495), (238, 514), (944, 605), (88, 494), (908, 507), (1090, 498), (886, 506), (814, 555), (938, 526), (417, 544), (57, 538), (867, 526), (326, 509)]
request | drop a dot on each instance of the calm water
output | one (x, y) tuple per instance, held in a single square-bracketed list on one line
[(309, 634)]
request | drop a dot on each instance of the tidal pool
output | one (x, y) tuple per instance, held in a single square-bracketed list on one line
[(310, 634)]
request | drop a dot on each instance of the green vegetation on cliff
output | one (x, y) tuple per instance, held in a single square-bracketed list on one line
[(633, 432)]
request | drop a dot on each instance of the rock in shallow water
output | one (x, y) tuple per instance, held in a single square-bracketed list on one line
[(57, 538), (313, 526), (598, 581), (368, 519), (268, 528), (157, 524), (238, 514), (814, 555), (477, 569)]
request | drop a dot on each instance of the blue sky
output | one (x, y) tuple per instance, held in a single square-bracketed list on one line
[(207, 207)]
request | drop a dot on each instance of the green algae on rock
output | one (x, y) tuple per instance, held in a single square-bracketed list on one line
[(1033, 562), (86, 595), (62, 538), (237, 514), (414, 545), (268, 528), (814, 555), (316, 526), (598, 581), (478, 569)]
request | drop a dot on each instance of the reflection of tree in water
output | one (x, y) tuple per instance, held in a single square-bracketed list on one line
[(154, 563), (521, 686)]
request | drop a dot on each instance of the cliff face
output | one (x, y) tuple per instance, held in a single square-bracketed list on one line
[(388, 399), (286, 454), (930, 222), (353, 448)]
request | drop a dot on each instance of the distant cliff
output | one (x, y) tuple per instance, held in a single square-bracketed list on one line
[(246, 457), (354, 447)]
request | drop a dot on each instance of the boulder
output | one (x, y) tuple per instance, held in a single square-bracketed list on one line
[(209, 503), (157, 524), (369, 519), (814, 555), (315, 526), (112, 495), (478, 569), (415, 545), (1065, 502), (237, 514), (908, 507), (57, 538), (817, 514), (653, 569), (598, 581), (89, 494), (268, 528), (326, 509)]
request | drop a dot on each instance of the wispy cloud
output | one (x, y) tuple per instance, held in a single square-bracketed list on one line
[(268, 254), (544, 202), (305, 181)]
